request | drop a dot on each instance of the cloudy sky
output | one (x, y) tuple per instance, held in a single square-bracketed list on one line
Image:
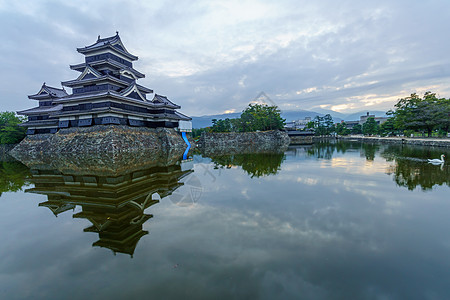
[(217, 56)]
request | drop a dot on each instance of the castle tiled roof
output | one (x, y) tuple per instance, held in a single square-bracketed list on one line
[(182, 116), (117, 95), (112, 42), (76, 82), (41, 109), (48, 122), (56, 92), (48, 92), (80, 67), (163, 99)]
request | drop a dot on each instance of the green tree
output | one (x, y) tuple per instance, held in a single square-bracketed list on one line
[(261, 117), (341, 129), (357, 129), (254, 117), (328, 123), (388, 127), (236, 125), (323, 125), (370, 127), (319, 126), (197, 132), (10, 131), (310, 125), (422, 114), (221, 125)]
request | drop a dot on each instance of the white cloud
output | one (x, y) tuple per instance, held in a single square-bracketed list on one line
[(216, 56)]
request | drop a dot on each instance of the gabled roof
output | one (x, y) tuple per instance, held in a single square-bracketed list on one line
[(47, 92), (133, 88), (115, 95), (128, 73), (163, 99), (89, 70), (76, 82), (57, 207), (143, 89), (112, 42), (80, 67)]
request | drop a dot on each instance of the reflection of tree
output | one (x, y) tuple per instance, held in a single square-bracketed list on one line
[(411, 174), (325, 149), (369, 150), (322, 150), (411, 168), (255, 164), (13, 176)]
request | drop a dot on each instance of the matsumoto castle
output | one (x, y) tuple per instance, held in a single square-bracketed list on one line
[(106, 92)]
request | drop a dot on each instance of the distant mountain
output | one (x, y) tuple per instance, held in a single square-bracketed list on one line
[(206, 121), (333, 113), (357, 115)]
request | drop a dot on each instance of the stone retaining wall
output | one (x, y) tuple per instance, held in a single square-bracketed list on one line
[(235, 142), (100, 139), (445, 142)]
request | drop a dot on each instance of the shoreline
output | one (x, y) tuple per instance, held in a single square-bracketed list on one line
[(433, 142), (211, 143)]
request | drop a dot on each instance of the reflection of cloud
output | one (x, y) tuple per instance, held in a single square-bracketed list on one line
[(308, 181), (352, 176), (244, 193), (354, 166)]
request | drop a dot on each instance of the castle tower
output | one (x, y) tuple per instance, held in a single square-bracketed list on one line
[(105, 92)]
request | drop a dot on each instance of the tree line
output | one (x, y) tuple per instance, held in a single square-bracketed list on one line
[(426, 115), (256, 117), (325, 126)]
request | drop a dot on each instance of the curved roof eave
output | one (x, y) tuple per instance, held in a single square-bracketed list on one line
[(112, 94)]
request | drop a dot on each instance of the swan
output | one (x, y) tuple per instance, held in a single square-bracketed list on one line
[(437, 161)]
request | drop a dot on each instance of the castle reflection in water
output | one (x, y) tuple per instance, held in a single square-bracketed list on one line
[(112, 194)]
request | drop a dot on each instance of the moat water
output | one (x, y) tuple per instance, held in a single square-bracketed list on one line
[(324, 221)]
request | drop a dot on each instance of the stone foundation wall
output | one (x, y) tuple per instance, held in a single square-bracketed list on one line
[(100, 139), (240, 142)]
